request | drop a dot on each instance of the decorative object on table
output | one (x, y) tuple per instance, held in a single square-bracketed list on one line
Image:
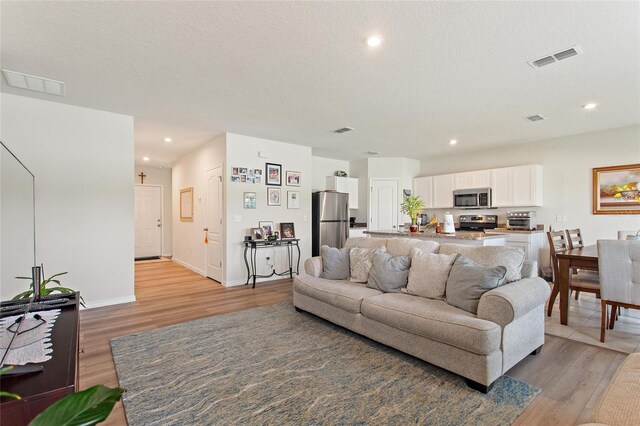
[(448, 226), (412, 206), (92, 405), (276, 235), (44, 291), (293, 178), (274, 174), (267, 228), (249, 200), (257, 234), (616, 189), (353, 366), (287, 230), (635, 237), (31, 335), (293, 199), (273, 196), (186, 204), (340, 173), (272, 238)]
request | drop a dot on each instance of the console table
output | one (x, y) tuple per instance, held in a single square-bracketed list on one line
[(59, 376), (252, 247)]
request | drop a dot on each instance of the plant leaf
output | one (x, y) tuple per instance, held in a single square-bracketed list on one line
[(84, 408), (22, 295), (61, 289), (10, 395)]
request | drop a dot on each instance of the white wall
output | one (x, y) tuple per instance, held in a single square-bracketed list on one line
[(161, 177), (190, 171), (567, 176), (83, 163), (242, 151), (323, 167)]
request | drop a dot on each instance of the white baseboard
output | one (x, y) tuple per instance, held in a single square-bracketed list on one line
[(108, 302), (188, 266)]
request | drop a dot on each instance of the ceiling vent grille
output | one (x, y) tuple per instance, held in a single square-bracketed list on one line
[(343, 130), (32, 82), (555, 57), (535, 117)]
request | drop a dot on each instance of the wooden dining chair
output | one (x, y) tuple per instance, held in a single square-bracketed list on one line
[(587, 282), (574, 240)]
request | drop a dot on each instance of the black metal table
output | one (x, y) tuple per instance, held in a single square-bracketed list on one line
[(253, 246)]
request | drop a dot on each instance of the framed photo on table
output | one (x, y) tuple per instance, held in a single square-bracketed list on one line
[(267, 228), (273, 197), (292, 178), (287, 230), (616, 189), (257, 234), (273, 174)]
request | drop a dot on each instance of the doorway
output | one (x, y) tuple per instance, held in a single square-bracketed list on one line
[(383, 204), (148, 221), (214, 224)]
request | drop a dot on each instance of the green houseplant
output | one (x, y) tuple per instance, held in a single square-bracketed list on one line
[(44, 291), (412, 206)]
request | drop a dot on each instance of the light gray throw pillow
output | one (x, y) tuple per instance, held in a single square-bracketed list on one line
[(428, 274), (388, 273), (511, 258), (335, 263), (468, 281), (360, 262)]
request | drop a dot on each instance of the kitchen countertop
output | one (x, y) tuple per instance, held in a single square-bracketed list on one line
[(358, 225), (459, 235), (515, 231)]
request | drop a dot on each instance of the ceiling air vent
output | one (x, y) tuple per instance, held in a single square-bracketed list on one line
[(555, 57), (535, 117), (343, 130), (31, 82)]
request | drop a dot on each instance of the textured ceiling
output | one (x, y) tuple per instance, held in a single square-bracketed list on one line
[(296, 71)]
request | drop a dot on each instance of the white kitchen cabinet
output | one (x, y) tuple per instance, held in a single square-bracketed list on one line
[(501, 195), (423, 188), (443, 191), (532, 243), (347, 185), (519, 186), (475, 179)]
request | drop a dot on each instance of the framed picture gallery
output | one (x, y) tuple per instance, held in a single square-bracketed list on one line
[(273, 174)]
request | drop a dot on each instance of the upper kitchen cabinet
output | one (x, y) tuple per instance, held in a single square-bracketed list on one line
[(347, 185), (423, 188), (519, 186), (476, 179), (443, 191)]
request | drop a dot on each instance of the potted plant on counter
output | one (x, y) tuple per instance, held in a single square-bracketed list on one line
[(412, 206)]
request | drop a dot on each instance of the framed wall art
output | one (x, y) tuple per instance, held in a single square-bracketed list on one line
[(273, 174), (249, 200), (273, 197), (616, 189), (292, 178), (186, 204), (293, 199)]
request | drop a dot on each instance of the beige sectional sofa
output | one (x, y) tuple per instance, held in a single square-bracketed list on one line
[(509, 324)]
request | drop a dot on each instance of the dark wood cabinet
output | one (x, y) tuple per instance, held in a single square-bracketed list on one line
[(58, 378)]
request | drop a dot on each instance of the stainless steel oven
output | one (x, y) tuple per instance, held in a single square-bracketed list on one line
[(522, 220), (475, 198)]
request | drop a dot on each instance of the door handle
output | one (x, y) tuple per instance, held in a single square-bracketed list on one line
[(159, 225), (205, 229)]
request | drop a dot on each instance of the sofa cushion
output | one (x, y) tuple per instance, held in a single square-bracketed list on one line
[(511, 258), (389, 273), (360, 263), (403, 246), (434, 319), (335, 263), (428, 274), (341, 294), (468, 281), (365, 242)]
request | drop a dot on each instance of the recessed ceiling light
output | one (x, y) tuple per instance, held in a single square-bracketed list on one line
[(160, 167), (589, 106), (145, 158), (453, 141), (168, 139), (374, 41)]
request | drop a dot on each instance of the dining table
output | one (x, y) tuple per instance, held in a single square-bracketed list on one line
[(585, 257)]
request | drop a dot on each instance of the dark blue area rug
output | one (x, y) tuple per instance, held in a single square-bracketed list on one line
[(272, 365)]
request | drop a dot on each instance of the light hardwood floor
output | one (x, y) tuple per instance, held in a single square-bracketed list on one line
[(572, 375)]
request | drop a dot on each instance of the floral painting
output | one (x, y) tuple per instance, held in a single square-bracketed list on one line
[(616, 189)]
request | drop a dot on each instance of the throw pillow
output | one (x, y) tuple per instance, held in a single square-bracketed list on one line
[(428, 274), (360, 262), (468, 281), (335, 263), (388, 273), (511, 258), (403, 246)]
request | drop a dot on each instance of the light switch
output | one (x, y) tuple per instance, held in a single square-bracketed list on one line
[(238, 218), (304, 217)]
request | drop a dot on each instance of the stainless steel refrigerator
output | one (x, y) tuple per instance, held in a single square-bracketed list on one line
[(330, 217)]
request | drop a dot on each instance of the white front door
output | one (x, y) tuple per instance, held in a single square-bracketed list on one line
[(214, 224), (383, 206), (148, 216)]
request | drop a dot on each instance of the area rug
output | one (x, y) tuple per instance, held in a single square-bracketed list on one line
[(273, 365)]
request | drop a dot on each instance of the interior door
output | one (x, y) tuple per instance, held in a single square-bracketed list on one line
[(214, 224), (384, 205), (148, 221)]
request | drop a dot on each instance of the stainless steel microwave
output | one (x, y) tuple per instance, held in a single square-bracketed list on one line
[(475, 198)]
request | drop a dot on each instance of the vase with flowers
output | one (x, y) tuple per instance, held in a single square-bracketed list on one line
[(412, 206)]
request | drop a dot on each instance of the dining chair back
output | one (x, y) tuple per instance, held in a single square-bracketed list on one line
[(574, 238), (557, 244), (619, 266), (622, 235)]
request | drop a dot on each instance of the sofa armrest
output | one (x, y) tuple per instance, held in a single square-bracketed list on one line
[(529, 269), (511, 301), (313, 266)]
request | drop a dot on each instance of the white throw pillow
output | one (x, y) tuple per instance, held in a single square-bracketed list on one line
[(360, 262), (428, 274)]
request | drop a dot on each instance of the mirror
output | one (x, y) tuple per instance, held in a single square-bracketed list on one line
[(17, 223)]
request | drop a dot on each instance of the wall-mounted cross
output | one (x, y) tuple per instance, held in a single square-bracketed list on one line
[(142, 176)]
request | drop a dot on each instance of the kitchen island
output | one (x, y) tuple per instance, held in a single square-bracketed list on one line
[(470, 238)]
